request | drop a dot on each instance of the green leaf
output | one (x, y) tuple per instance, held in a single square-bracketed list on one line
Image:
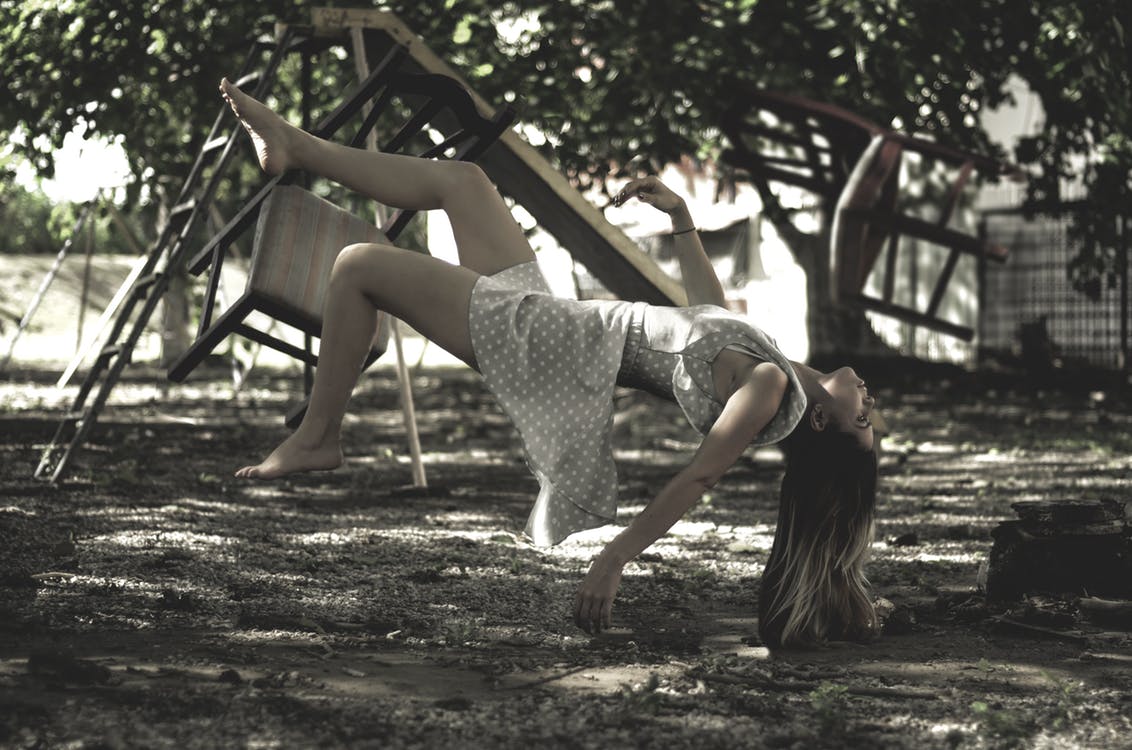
[(463, 33)]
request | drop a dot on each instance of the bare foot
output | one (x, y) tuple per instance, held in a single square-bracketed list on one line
[(272, 136), (293, 456)]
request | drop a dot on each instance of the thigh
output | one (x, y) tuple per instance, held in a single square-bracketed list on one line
[(487, 236), (429, 294)]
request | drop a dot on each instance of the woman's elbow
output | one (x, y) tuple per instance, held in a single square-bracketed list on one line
[(703, 478)]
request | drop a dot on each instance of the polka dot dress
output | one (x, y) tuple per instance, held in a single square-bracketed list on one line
[(552, 364), (674, 355)]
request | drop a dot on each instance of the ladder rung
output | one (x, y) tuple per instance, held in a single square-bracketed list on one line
[(215, 144), (181, 212), (183, 208), (108, 353), (145, 282), (75, 416), (246, 79)]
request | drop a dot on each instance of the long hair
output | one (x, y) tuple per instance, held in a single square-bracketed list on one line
[(814, 587)]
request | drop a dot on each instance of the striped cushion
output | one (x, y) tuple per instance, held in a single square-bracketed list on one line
[(297, 238)]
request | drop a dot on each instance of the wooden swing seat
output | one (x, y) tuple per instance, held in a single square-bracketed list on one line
[(297, 238), (298, 235)]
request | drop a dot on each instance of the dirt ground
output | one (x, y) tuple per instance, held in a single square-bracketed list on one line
[(152, 600)]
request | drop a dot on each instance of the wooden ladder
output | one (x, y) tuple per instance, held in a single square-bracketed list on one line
[(166, 257)]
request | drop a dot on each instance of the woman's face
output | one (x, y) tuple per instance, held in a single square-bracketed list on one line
[(849, 404)]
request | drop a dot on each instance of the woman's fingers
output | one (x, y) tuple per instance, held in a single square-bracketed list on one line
[(582, 616), (592, 614), (641, 187), (579, 605)]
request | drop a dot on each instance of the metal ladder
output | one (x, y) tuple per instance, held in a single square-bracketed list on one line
[(172, 246)]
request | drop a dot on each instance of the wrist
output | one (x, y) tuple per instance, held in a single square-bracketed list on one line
[(681, 218), (612, 556)]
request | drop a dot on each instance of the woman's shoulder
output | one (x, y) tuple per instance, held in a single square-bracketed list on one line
[(717, 314), (712, 319)]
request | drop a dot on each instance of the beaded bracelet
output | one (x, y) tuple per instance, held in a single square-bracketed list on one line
[(684, 231)]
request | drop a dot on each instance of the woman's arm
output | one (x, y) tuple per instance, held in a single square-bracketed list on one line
[(745, 414), (700, 281)]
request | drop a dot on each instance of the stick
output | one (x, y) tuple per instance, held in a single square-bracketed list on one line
[(86, 284), (550, 678), (408, 413), (1039, 630), (51, 273), (107, 314), (798, 686)]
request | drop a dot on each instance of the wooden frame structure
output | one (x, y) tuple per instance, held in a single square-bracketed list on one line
[(166, 257), (783, 138), (867, 218), (522, 173), (854, 166)]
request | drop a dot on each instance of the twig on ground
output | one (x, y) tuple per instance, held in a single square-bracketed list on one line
[(548, 678), (1039, 630)]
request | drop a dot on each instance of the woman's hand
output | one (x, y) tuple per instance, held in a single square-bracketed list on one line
[(593, 604), (652, 191)]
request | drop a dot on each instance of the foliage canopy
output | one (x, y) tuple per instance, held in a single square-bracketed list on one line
[(619, 84)]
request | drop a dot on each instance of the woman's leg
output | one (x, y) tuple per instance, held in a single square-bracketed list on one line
[(487, 237), (430, 295)]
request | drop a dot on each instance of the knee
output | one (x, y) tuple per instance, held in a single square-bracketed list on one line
[(354, 259), (465, 178)]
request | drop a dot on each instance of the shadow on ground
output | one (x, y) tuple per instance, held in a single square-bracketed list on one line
[(153, 600)]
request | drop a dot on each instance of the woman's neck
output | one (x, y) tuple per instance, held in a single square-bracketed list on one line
[(810, 380), (804, 370)]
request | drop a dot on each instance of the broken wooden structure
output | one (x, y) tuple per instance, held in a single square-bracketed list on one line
[(853, 166), (1066, 547)]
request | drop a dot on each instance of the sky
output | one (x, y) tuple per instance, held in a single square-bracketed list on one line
[(82, 167)]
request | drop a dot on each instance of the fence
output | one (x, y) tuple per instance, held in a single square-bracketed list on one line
[(1030, 311)]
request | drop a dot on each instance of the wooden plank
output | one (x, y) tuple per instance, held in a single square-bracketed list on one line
[(1069, 511), (912, 316), (1105, 610), (523, 173)]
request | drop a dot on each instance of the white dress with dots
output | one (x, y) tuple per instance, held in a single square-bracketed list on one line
[(552, 363)]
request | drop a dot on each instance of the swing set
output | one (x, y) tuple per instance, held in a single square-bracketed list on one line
[(440, 117), (850, 162), (855, 167)]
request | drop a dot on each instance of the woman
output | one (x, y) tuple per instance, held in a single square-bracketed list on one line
[(552, 363)]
